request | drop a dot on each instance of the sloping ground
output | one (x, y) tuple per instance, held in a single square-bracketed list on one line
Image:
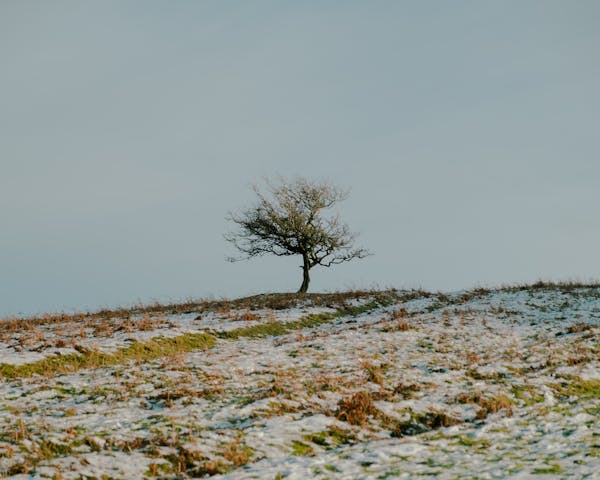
[(482, 384)]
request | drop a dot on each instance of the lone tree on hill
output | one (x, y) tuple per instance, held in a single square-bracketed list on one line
[(289, 220)]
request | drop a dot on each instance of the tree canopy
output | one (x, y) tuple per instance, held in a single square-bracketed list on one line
[(289, 220)]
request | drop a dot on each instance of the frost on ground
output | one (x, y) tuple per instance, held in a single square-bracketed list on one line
[(481, 384)]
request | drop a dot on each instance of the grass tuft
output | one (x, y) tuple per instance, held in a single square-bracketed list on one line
[(487, 404), (356, 409)]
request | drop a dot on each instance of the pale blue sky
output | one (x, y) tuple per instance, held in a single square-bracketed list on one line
[(468, 132)]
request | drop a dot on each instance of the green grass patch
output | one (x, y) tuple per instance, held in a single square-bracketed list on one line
[(527, 394), (555, 468), (137, 351), (271, 329), (331, 438), (578, 387), (301, 449), (469, 441), (48, 449)]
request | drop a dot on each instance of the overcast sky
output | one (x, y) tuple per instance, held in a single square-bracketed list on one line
[(467, 131)]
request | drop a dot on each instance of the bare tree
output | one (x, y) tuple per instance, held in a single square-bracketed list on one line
[(289, 220)]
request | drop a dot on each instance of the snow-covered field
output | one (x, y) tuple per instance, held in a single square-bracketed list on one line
[(482, 384)]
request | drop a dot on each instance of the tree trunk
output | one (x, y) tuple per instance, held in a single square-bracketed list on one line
[(305, 276)]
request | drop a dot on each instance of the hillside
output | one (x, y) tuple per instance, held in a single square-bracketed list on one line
[(396, 384)]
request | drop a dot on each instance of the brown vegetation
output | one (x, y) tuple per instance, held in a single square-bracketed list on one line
[(356, 409)]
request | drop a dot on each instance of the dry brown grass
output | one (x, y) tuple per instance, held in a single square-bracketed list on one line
[(285, 383), (278, 409), (397, 321), (6, 451), (581, 354), (579, 327), (103, 329), (187, 394), (236, 453), (248, 316), (568, 286), (488, 404), (473, 357), (33, 335), (20, 431), (356, 409), (329, 383), (407, 390), (273, 301), (374, 372)]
